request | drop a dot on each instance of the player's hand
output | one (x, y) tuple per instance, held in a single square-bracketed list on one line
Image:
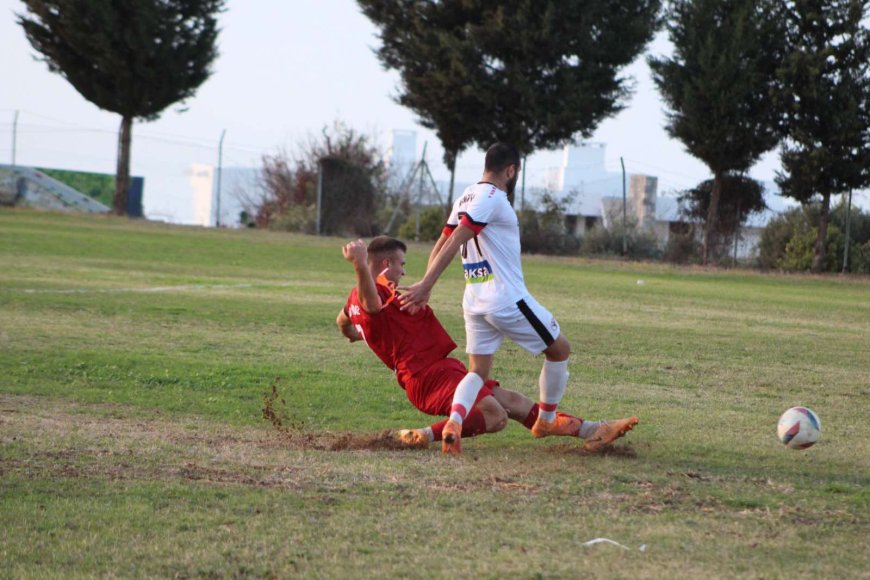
[(355, 252), (415, 297)]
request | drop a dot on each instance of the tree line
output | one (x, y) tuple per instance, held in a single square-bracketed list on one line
[(745, 77)]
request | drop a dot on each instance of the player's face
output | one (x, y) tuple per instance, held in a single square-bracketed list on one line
[(395, 266)]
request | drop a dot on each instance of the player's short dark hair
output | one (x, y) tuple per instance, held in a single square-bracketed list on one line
[(382, 245), (500, 155)]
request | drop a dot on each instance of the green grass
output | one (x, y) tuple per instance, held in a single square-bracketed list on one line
[(134, 358)]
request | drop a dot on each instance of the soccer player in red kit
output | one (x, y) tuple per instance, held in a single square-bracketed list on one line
[(417, 347)]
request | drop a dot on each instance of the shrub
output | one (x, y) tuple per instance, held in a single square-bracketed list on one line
[(295, 218), (545, 232), (788, 241), (682, 249), (432, 221), (351, 173), (604, 241)]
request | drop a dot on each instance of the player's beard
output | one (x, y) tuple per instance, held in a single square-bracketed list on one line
[(512, 185)]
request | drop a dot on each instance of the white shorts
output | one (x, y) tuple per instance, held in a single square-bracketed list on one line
[(527, 323)]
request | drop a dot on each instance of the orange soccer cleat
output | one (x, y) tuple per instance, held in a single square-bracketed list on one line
[(413, 438), (451, 443), (563, 425), (608, 432)]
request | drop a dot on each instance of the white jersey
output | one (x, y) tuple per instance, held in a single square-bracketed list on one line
[(491, 260)]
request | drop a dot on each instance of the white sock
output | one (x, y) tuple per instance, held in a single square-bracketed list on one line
[(587, 428), (554, 377), (429, 433), (465, 396)]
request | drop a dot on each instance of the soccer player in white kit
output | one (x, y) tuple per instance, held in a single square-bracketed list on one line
[(483, 226)]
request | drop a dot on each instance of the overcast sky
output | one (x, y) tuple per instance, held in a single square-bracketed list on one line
[(285, 70)]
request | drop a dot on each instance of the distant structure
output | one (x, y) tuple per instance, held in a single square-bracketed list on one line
[(597, 198), (597, 193), (401, 155), (30, 187), (240, 193)]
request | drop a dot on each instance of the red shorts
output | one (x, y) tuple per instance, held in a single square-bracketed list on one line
[(431, 390)]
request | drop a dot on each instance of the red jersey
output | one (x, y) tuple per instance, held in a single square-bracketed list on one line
[(406, 343)]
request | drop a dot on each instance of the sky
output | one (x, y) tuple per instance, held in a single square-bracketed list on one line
[(286, 69)]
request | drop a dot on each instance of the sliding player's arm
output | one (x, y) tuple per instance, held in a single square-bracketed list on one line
[(356, 254), (346, 327)]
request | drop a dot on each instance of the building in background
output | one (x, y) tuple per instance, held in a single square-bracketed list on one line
[(595, 194), (230, 203), (401, 156)]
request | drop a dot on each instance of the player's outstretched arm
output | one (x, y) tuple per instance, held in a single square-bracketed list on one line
[(436, 249), (355, 252), (418, 294), (346, 327)]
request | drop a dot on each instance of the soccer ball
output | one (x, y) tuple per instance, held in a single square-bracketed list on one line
[(799, 428)]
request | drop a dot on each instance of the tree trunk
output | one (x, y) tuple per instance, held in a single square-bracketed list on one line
[(122, 173), (452, 169), (711, 227), (821, 254), (523, 191)]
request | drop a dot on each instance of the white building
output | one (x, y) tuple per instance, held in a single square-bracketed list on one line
[(401, 155), (221, 202), (597, 197)]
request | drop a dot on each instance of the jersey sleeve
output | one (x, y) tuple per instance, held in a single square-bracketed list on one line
[(479, 211), (452, 222)]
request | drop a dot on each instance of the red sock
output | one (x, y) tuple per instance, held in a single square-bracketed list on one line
[(474, 424), (437, 428), (529, 421)]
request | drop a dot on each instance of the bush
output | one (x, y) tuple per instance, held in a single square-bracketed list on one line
[(350, 169), (539, 235), (788, 241), (683, 249), (602, 241), (296, 218), (432, 221), (544, 232)]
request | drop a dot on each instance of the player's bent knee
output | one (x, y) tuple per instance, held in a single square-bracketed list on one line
[(494, 414), (560, 349), (497, 423)]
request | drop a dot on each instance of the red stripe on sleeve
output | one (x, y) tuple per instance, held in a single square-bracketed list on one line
[(448, 229), (470, 223)]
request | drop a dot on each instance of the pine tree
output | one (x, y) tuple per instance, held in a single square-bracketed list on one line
[(533, 73), (718, 86), (551, 69), (131, 58), (826, 101), (427, 42)]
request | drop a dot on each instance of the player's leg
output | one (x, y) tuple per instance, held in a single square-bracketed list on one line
[(494, 415), (532, 327), (551, 386), (477, 422), (482, 341), (523, 410), (433, 393)]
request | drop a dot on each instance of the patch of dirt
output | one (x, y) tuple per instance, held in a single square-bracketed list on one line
[(57, 438), (291, 431)]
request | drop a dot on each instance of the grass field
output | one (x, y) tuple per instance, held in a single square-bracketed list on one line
[(135, 359)]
